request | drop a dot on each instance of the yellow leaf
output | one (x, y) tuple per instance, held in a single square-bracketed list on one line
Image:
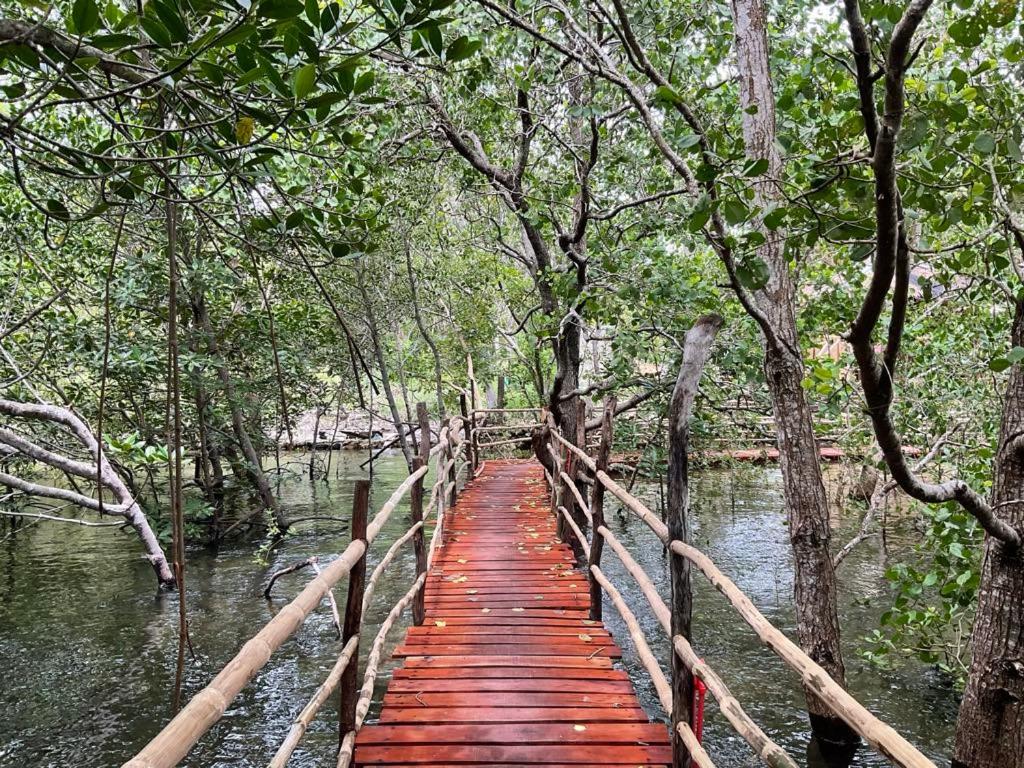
[(440, 623), (580, 728), (518, 610), (485, 610), (462, 561), (472, 591), (244, 129), (585, 637)]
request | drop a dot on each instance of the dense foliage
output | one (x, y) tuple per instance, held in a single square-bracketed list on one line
[(218, 216)]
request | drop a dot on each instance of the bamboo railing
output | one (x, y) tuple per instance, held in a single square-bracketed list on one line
[(572, 464), (173, 743), (458, 451)]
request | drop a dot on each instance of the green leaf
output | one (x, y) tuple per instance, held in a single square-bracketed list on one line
[(862, 251), (364, 82), (735, 211), (156, 31), (280, 9), (171, 19), (304, 81), (313, 12), (665, 94), (755, 167), (461, 49), (752, 273), (999, 364), (774, 219), (985, 143), (85, 16), (58, 210), (687, 141)]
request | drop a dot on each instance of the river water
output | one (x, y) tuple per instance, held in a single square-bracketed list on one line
[(87, 650)]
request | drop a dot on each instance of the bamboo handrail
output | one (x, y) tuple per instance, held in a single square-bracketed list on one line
[(877, 733), (643, 650), (305, 717), (381, 518), (346, 750), (697, 753), (769, 751), (763, 746), (506, 427), (385, 561), (496, 443), (173, 743), (576, 492), (362, 706), (178, 737), (634, 569), (576, 530), (507, 410), (374, 659)]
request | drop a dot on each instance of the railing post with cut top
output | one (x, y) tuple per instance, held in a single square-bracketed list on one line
[(348, 685), (597, 508), (695, 355), (416, 504), (469, 431), (453, 471)]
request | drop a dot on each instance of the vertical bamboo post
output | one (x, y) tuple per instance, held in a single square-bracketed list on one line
[(453, 476), (416, 503), (472, 405), (348, 685), (597, 507), (696, 350), (681, 588), (469, 430)]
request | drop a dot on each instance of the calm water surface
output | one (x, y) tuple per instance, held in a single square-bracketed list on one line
[(87, 651)]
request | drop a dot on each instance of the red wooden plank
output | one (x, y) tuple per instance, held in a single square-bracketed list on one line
[(510, 685), (508, 670), (513, 733), (509, 673), (507, 660), (517, 754), (428, 699), (442, 715)]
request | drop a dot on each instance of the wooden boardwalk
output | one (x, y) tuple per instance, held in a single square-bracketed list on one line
[(507, 669)]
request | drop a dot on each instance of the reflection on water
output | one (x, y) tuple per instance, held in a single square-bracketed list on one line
[(87, 652)]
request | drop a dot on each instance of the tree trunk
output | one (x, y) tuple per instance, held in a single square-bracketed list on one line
[(253, 468), (418, 316), (385, 380), (106, 474), (806, 500), (990, 727)]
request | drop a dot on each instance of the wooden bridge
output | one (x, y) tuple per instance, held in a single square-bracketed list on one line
[(508, 662), (508, 668)]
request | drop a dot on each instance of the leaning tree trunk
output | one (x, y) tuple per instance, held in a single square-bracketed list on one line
[(990, 728), (806, 501), (126, 506)]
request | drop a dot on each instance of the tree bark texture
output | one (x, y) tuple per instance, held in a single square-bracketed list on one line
[(806, 500), (990, 727)]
